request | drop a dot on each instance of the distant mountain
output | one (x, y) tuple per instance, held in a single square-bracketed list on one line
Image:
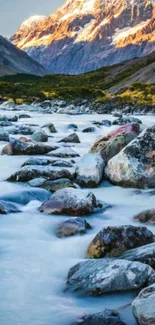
[(14, 60), (84, 35)]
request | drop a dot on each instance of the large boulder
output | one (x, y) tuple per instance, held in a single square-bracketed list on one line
[(107, 317), (113, 241), (143, 306), (27, 173), (126, 119), (4, 135), (70, 201), (63, 153), (134, 166), (146, 216), (39, 136), (97, 277), (144, 254), (16, 147), (90, 170), (72, 227), (52, 186), (111, 144), (72, 138)]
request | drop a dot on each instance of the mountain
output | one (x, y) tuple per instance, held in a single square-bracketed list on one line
[(84, 35), (14, 60)]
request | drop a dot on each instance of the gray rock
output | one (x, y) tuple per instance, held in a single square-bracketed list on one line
[(16, 147), (127, 119), (70, 201), (88, 130), (72, 227), (24, 115), (134, 166), (90, 170), (113, 241), (107, 317), (74, 127), (72, 138), (143, 306), (6, 123), (8, 207), (97, 277), (144, 254), (20, 129), (25, 196), (47, 161), (4, 135), (52, 186), (51, 127), (63, 153), (106, 123), (40, 136), (9, 118), (146, 216), (27, 173)]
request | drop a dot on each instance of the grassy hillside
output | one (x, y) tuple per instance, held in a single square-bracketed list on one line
[(120, 81)]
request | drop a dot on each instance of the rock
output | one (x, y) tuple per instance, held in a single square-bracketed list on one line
[(88, 130), (126, 119), (23, 115), (52, 186), (8, 207), (25, 196), (27, 173), (143, 306), (106, 123), (40, 136), (90, 170), (113, 241), (146, 216), (72, 227), (97, 277), (111, 144), (70, 201), (47, 161), (6, 123), (72, 138), (107, 317), (51, 127), (144, 254), (117, 114), (9, 118), (134, 166), (63, 153), (4, 135), (97, 123), (17, 147), (73, 126), (24, 139), (20, 129)]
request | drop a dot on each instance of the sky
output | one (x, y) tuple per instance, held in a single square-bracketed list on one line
[(14, 12)]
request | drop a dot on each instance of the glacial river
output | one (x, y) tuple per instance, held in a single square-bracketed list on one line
[(34, 263)]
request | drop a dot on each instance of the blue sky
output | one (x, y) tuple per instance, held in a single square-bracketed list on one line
[(13, 12)]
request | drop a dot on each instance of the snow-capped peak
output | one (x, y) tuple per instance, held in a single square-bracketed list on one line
[(33, 20)]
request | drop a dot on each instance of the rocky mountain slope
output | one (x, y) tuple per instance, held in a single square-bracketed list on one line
[(84, 35), (14, 60)]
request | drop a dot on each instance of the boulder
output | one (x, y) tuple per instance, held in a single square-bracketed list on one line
[(25, 196), (8, 207), (16, 147), (47, 161), (126, 119), (97, 277), (114, 240), (146, 216), (9, 118), (134, 166), (144, 254), (89, 170), (52, 186), (24, 115), (72, 138), (27, 173), (72, 227), (40, 136), (89, 129), (4, 135), (74, 127), (107, 317), (20, 129), (143, 306), (106, 123), (111, 144), (51, 127), (6, 123), (64, 153), (71, 201)]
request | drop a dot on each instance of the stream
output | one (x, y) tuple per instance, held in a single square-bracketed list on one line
[(33, 262)]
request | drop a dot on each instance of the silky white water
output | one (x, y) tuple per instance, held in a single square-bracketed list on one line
[(34, 263)]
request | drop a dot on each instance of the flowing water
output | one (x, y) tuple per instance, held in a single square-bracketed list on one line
[(34, 263)]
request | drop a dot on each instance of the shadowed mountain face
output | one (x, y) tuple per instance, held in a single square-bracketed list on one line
[(84, 35), (14, 60)]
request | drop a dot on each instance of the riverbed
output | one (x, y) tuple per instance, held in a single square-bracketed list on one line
[(33, 262)]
